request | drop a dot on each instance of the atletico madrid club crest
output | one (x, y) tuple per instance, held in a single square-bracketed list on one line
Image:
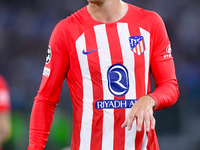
[(137, 44)]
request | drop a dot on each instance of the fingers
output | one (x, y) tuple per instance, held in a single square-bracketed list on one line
[(140, 119), (149, 121), (124, 125), (153, 123), (129, 121), (146, 117), (142, 110)]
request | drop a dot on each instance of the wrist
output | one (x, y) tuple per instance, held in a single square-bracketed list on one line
[(152, 101)]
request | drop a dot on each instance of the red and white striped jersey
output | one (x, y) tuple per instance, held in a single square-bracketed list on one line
[(4, 95), (107, 68)]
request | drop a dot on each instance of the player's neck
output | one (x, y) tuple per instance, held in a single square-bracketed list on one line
[(107, 11)]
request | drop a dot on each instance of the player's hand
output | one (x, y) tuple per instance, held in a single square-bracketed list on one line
[(142, 111)]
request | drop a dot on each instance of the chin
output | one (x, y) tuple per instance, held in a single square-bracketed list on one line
[(95, 1)]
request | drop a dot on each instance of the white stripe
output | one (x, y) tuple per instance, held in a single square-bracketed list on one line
[(129, 63), (145, 142), (146, 36), (86, 124), (105, 63), (141, 47)]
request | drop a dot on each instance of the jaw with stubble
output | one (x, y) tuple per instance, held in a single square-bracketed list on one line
[(96, 1)]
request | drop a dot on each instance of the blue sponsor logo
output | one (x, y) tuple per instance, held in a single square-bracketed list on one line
[(114, 104), (118, 80)]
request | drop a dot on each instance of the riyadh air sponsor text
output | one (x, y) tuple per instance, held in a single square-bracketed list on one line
[(115, 104)]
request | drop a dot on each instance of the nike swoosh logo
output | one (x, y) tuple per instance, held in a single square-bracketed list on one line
[(85, 53)]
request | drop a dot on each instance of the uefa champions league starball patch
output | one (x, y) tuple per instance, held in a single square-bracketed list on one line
[(48, 57)]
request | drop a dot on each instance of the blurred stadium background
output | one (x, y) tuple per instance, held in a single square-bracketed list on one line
[(25, 28)]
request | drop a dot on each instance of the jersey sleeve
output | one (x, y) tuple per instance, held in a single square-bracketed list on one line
[(4, 96), (162, 67), (55, 70)]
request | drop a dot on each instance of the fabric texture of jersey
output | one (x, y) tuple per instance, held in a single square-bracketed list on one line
[(107, 67), (4, 95)]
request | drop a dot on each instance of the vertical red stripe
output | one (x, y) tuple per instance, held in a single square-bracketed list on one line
[(139, 139), (77, 109), (75, 142), (119, 133), (140, 83), (152, 140), (116, 58), (95, 72)]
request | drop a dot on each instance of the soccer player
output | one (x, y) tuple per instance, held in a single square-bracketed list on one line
[(5, 124), (106, 51)]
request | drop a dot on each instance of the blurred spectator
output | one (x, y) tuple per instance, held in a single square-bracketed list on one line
[(5, 124)]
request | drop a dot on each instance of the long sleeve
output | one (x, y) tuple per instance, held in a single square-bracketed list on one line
[(162, 67), (54, 73), (166, 92), (40, 124)]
